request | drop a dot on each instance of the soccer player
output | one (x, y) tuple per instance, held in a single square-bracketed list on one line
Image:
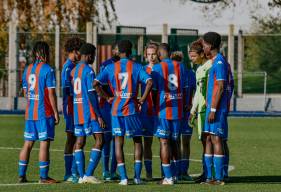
[(197, 56), (109, 144), (41, 112), (124, 77), (186, 131), (148, 114), (72, 47), (217, 109), (169, 90), (87, 116)]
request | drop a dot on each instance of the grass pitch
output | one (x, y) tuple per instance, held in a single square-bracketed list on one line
[(254, 147)]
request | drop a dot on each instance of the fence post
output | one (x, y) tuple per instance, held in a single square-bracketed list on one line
[(165, 33), (231, 46), (12, 73), (240, 64), (95, 42), (89, 32), (57, 59)]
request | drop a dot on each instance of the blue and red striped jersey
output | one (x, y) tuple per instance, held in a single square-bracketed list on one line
[(170, 79), (82, 80), (147, 108), (123, 78), (67, 97), (218, 72), (36, 80)]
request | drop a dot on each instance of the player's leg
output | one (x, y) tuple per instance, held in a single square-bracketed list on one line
[(45, 128), (218, 157), (24, 159), (148, 124), (78, 150), (106, 155), (113, 166), (175, 127), (69, 162), (226, 159), (208, 157), (138, 158), (186, 133), (30, 137), (95, 156), (163, 133), (119, 143), (147, 155), (118, 130), (185, 154)]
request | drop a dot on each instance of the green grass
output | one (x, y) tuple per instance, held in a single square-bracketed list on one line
[(255, 154)]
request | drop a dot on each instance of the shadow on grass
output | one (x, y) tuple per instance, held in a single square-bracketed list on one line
[(268, 179)]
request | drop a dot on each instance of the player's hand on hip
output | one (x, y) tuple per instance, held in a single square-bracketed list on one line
[(101, 122), (110, 100), (211, 117), (57, 118)]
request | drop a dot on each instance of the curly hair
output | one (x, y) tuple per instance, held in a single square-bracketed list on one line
[(177, 56), (197, 46), (73, 44)]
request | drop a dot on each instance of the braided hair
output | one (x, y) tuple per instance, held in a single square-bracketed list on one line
[(41, 52)]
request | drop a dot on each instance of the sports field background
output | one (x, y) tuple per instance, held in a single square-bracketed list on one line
[(255, 156)]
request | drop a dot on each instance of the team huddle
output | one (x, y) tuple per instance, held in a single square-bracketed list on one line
[(162, 99)]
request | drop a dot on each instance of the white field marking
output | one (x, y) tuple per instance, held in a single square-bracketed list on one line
[(230, 168)]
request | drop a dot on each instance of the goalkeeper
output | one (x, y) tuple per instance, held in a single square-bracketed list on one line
[(198, 57)]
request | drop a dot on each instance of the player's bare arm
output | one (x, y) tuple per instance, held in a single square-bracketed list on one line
[(53, 102), (217, 95), (147, 90)]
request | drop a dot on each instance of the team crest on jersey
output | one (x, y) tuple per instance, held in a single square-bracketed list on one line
[(219, 62)]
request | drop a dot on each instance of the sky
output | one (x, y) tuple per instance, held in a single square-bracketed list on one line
[(153, 13)]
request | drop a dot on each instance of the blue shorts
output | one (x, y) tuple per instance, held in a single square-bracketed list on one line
[(41, 130), (168, 129), (106, 116), (87, 129), (69, 123), (185, 128), (129, 126), (219, 127), (149, 125)]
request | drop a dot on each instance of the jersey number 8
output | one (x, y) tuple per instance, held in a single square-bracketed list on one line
[(173, 82)]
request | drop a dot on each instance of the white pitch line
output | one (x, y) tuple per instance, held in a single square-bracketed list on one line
[(61, 150)]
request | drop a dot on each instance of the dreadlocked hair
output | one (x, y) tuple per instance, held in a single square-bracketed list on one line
[(41, 51), (73, 44)]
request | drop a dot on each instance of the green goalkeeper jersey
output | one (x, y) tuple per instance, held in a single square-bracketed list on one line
[(199, 101)]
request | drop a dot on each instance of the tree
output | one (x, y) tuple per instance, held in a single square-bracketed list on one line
[(43, 15)]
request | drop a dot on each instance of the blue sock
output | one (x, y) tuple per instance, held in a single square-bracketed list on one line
[(22, 167), (208, 162), (122, 171), (225, 165), (105, 156), (94, 161), (138, 167), (68, 159), (148, 166), (74, 166), (218, 165), (80, 161), (113, 166), (204, 166), (167, 171), (44, 169), (184, 166), (162, 171), (175, 167)]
